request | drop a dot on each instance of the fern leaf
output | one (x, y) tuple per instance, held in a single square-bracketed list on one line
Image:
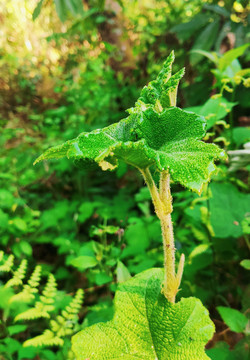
[(59, 328), (31, 314), (48, 338), (35, 277), (7, 265), (64, 323), (29, 289), (44, 306), (76, 303), (18, 275), (49, 291)]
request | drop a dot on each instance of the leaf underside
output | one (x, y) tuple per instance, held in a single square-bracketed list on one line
[(147, 326), (154, 133)]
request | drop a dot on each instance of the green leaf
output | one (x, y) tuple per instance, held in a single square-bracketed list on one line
[(153, 134), (210, 55), (37, 10), (185, 30), (198, 250), (30, 353), (26, 248), (61, 9), (245, 264), (241, 135), (86, 210), (215, 109), (136, 235), (102, 278), (84, 262), (12, 344), (221, 352), (234, 319), (19, 224), (122, 272), (6, 199), (228, 208), (16, 329), (3, 220), (231, 55), (147, 326), (75, 6), (246, 225), (217, 9), (204, 41)]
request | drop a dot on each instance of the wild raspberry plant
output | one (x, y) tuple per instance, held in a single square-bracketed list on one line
[(147, 323)]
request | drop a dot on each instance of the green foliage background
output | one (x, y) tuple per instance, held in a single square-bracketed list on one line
[(76, 67)]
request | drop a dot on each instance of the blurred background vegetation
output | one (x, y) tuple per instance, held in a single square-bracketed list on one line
[(69, 66)]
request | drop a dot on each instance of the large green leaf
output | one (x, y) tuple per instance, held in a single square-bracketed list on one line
[(146, 326), (155, 133)]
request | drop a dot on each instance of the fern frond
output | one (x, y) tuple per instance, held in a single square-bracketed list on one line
[(44, 306), (73, 308), (35, 277), (7, 265), (29, 289), (64, 323), (59, 328), (49, 291), (38, 311), (18, 275), (48, 338)]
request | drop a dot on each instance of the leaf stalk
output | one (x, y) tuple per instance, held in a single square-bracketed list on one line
[(162, 201)]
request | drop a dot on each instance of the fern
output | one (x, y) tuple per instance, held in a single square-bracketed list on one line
[(8, 264), (44, 306), (18, 275), (61, 327), (48, 338), (29, 289)]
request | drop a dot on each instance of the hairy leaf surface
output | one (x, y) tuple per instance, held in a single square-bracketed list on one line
[(147, 326), (154, 133)]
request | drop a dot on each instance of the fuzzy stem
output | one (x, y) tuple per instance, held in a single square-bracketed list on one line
[(169, 284), (159, 209), (165, 193), (162, 201)]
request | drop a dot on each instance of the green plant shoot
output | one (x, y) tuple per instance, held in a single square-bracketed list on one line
[(155, 134)]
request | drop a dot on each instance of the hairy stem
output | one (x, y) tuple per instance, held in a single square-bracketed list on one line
[(165, 193), (169, 285), (162, 201), (159, 210)]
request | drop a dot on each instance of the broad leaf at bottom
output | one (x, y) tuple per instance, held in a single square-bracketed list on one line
[(147, 326)]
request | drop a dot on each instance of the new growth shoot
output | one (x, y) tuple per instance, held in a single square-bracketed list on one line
[(155, 134)]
